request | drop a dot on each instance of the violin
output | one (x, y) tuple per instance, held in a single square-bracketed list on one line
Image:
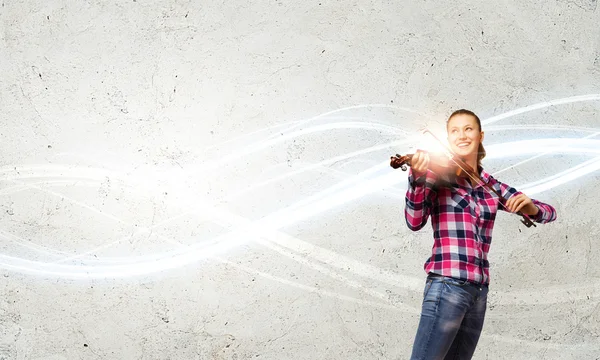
[(442, 164), (438, 163)]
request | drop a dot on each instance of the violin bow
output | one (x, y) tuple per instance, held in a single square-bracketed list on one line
[(526, 219)]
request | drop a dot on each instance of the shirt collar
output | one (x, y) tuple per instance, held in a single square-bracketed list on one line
[(484, 178), (483, 175)]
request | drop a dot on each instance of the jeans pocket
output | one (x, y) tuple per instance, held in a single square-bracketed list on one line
[(455, 282), (427, 287), (433, 291)]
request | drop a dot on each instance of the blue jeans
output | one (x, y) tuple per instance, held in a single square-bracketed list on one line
[(451, 319)]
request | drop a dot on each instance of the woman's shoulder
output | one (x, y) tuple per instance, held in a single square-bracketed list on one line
[(487, 177)]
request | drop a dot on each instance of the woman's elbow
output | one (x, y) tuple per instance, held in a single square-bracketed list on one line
[(415, 226)]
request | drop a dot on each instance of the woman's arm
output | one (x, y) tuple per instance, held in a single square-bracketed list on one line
[(539, 212), (419, 198)]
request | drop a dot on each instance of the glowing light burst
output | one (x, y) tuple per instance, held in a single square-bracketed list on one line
[(378, 177)]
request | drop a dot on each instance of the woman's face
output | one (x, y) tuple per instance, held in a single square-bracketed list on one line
[(464, 135)]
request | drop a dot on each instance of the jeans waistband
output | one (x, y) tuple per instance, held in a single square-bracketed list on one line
[(434, 275)]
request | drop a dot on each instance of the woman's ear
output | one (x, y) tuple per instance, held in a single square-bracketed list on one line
[(481, 136)]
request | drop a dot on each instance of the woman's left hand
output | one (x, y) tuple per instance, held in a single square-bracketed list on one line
[(523, 204)]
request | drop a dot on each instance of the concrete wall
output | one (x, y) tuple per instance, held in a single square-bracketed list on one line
[(210, 180)]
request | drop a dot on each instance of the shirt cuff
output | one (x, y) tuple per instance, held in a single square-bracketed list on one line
[(540, 215)]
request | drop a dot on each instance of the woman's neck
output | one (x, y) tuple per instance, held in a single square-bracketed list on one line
[(474, 165), (472, 162)]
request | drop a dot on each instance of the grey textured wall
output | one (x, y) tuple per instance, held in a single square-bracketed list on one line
[(210, 180)]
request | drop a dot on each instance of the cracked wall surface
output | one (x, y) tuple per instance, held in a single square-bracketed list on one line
[(211, 180)]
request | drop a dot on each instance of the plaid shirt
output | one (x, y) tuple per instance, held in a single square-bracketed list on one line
[(462, 218)]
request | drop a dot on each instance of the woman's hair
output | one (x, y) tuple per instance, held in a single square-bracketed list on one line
[(480, 150)]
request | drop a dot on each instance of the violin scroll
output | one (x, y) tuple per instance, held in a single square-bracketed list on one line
[(400, 161)]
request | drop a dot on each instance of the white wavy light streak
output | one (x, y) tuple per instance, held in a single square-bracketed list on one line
[(374, 179)]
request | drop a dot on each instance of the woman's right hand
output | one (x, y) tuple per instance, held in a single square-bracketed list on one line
[(420, 161)]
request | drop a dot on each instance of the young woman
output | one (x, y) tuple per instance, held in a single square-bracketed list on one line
[(462, 212)]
